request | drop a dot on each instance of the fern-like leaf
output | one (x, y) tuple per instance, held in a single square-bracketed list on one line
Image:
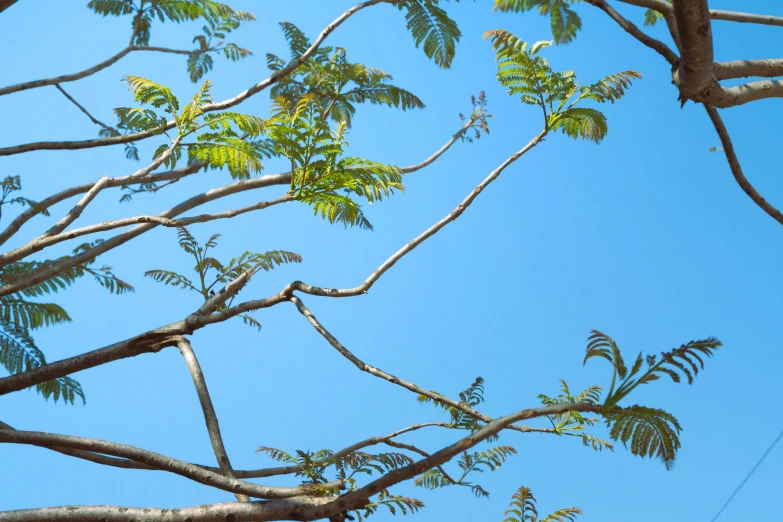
[(432, 29), (647, 432), (564, 21)]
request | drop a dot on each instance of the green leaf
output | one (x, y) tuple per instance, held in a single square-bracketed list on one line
[(432, 29), (564, 21), (647, 432)]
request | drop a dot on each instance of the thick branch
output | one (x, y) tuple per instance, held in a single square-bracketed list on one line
[(218, 106), (210, 417), (5, 4), (745, 68), (747, 18), (162, 462), (226, 511), (736, 168), (87, 72), (694, 73)]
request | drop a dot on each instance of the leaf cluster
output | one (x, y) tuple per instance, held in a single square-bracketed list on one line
[(220, 20), (649, 431), (573, 423), (321, 176), (336, 84), (525, 73), (210, 272), (220, 137), (523, 509)]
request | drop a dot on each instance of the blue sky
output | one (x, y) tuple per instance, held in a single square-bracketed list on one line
[(646, 237)]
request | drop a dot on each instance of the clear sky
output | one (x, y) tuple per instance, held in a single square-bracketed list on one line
[(646, 237)]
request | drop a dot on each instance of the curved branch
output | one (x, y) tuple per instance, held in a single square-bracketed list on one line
[(45, 241), (162, 462), (87, 72), (656, 45), (217, 106), (736, 168), (131, 179), (396, 380), (159, 338), (210, 417), (242, 474)]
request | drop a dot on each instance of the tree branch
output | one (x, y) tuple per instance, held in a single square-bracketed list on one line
[(159, 338), (131, 179), (393, 379), (87, 72), (210, 417), (747, 18), (217, 106), (745, 68), (81, 108), (736, 168), (656, 45), (43, 242), (161, 462), (694, 73)]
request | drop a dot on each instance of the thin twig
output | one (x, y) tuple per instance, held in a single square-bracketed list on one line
[(85, 111)]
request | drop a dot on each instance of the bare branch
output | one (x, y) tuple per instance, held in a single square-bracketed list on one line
[(81, 108), (46, 241), (53, 268), (393, 379), (162, 462), (131, 179), (747, 18), (87, 72), (663, 7), (77, 210), (745, 68), (656, 45), (736, 168), (222, 512), (218, 106), (210, 417)]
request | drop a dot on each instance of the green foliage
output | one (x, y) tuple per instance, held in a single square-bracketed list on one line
[(334, 82), (432, 29), (523, 509), (211, 272), (321, 176), (522, 71), (565, 22), (200, 61), (573, 423), (221, 137), (19, 316), (392, 503), (649, 431), (220, 19), (685, 360), (471, 397), (8, 186)]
